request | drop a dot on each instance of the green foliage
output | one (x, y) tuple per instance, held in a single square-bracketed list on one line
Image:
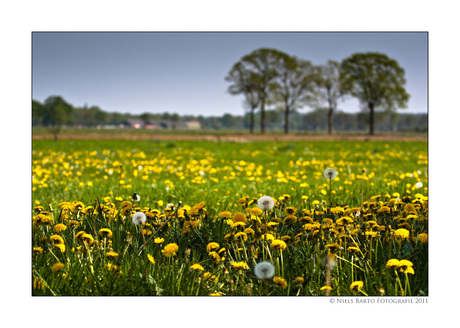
[(376, 80)]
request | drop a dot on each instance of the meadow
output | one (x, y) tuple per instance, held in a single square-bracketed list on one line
[(140, 217)]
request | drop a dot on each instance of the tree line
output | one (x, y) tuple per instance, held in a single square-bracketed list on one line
[(317, 121), (269, 77), (56, 112)]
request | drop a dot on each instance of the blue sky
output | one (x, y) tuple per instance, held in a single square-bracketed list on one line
[(185, 72)]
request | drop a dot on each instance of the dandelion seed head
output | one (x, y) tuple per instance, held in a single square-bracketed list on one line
[(265, 203), (330, 173), (264, 270), (139, 218)]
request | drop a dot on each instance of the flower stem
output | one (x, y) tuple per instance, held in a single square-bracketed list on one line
[(352, 277), (119, 179), (328, 274), (330, 192), (282, 264), (362, 190), (398, 280), (407, 285)]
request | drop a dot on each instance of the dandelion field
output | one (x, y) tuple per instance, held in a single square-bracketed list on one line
[(141, 217)]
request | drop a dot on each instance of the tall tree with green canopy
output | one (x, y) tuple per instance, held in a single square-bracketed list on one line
[(328, 89), (257, 72), (294, 85), (376, 80), (57, 113)]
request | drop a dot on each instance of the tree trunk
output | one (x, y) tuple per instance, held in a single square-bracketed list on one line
[(262, 116), (251, 121), (371, 119), (286, 119), (329, 121)]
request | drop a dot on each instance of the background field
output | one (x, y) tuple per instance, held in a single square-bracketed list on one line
[(236, 168)]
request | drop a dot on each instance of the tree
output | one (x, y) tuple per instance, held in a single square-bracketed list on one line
[(376, 80), (57, 113), (255, 73), (294, 86), (244, 83), (328, 89), (37, 112), (174, 119), (251, 102)]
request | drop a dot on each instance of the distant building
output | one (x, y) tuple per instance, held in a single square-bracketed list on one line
[(134, 123), (193, 125), (157, 124)]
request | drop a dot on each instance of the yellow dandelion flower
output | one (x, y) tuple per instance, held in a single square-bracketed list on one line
[(243, 201), (280, 282), (409, 207), (406, 266), (151, 259), (114, 268), (47, 220), (299, 280), (61, 247), (57, 267), (56, 240), (196, 266), (209, 275), (290, 219), (105, 233), (240, 265), (238, 224), (158, 240), (111, 255), (423, 238), (278, 244), (268, 236), (371, 234), (37, 250), (214, 256), (356, 286), (241, 236), (401, 234), (170, 250), (255, 211), (333, 248), (353, 249), (212, 246), (73, 224), (216, 294), (87, 239), (225, 214), (58, 228), (249, 231), (392, 264), (239, 217)]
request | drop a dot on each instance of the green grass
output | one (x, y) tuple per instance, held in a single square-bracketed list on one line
[(220, 174)]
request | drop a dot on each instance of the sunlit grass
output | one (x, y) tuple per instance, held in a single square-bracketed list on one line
[(197, 193)]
